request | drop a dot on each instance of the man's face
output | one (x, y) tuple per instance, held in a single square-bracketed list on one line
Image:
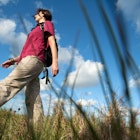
[(39, 16)]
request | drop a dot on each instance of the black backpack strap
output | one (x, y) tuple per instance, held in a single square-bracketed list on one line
[(43, 33), (46, 75)]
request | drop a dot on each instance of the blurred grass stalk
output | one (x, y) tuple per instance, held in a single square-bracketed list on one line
[(124, 61)]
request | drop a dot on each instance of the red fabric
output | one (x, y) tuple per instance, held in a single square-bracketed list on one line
[(34, 44)]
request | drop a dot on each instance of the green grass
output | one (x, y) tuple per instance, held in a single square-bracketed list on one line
[(110, 123)]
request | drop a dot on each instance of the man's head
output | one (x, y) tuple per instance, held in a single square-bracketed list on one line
[(44, 13)]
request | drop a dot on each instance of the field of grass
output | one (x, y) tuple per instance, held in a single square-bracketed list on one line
[(105, 126), (111, 123)]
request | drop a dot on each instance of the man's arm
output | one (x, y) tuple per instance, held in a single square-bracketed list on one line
[(55, 69), (9, 62)]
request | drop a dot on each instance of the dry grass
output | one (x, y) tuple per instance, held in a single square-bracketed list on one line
[(109, 126), (112, 123)]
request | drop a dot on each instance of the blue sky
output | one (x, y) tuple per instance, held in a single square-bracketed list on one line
[(69, 20)]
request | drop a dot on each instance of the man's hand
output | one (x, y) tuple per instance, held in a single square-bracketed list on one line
[(55, 69), (8, 63)]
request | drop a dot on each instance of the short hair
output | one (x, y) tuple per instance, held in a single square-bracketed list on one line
[(47, 13)]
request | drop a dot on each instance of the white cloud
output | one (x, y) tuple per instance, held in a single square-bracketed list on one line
[(66, 54), (85, 75), (131, 10), (6, 26), (5, 2), (134, 83), (9, 36), (57, 36), (84, 102), (43, 85)]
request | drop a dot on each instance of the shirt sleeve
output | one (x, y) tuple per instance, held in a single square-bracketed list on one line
[(49, 27)]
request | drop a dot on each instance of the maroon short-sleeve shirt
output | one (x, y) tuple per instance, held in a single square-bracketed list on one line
[(34, 44)]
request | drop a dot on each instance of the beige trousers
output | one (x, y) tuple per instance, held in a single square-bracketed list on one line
[(25, 75)]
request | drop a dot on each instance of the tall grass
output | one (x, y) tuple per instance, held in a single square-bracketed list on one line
[(112, 123)]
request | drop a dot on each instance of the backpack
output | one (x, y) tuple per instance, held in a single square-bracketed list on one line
[(47, 54)]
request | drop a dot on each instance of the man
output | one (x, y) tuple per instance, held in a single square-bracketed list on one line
[(30, 63)]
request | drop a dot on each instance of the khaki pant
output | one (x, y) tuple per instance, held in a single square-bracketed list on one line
[(25, 75)]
